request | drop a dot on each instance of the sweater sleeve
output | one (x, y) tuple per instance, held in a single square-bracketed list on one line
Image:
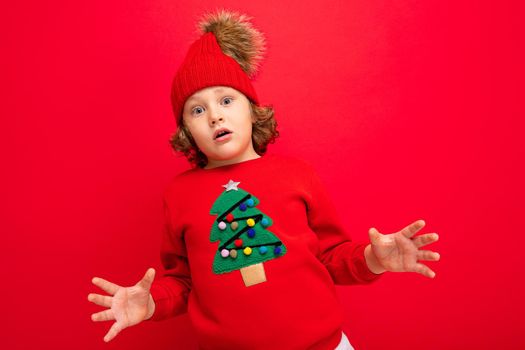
[(170, 292), (343, 258)]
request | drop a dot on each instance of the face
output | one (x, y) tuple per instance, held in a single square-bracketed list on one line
[(212, 109)]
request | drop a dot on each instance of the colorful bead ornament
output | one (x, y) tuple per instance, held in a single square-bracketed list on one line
[(250, 202), (225, 253), (229, 217), (233, 253), (222, 225), (247, 251), (265, 222), (242, 206), (263, 250), (251, 232), (277, 250), (250, 222), (238, 242), (234, 225)]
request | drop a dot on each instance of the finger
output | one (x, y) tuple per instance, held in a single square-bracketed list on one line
[(428, 255), (413, 228), (113, 331), (106, 315), (427, 238), (424, 270), (109, 287), (148, 278), (102, 300)]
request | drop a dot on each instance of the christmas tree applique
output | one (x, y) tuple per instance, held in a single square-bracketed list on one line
[(244, 239)]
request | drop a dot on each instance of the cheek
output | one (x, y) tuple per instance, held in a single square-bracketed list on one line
[(199, 134), (244, 121), (201, 138), (243, 127)]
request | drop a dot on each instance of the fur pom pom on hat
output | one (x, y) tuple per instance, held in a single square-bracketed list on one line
[(228, 53)]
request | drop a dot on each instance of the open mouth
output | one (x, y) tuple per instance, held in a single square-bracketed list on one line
[(221, 134)]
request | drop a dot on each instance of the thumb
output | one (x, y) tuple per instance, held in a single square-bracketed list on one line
[(148, 278), (374, 235)]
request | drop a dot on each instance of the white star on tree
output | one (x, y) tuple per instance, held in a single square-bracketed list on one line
[(231, 185)]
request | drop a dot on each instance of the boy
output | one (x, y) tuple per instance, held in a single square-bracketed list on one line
[(252, 247)]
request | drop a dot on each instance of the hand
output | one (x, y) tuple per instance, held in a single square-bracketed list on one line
[(399, 252), (127, 305)]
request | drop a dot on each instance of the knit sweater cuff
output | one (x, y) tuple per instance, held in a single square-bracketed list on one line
[(167, 304), (359, 260)]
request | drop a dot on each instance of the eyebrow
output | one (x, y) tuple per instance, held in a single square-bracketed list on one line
[(217, 90)]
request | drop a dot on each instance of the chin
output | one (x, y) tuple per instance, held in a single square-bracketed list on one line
[(227, 154)]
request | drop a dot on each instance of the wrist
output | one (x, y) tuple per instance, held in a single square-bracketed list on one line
[(372, 262)]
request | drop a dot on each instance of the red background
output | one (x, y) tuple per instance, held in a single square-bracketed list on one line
[(408, 109)]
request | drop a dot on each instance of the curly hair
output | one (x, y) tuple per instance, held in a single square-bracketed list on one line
[(264, 131)]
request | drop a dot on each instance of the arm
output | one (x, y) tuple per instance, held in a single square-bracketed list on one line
[(169, 294), (147, 299), (344, 258)]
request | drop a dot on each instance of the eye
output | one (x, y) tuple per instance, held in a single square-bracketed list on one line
[(197, 110), (228, 100)]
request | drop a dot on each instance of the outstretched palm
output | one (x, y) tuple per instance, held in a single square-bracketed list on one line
[(127, 305), (399, 252)]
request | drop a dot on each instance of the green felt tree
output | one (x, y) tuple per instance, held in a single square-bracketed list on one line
[(242, 230)]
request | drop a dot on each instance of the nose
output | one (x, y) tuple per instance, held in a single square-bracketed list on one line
[(216, 117)]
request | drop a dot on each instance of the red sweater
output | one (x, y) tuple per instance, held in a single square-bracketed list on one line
[(252, 251)]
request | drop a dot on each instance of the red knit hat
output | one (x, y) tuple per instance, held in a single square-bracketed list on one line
[(228, 54)]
